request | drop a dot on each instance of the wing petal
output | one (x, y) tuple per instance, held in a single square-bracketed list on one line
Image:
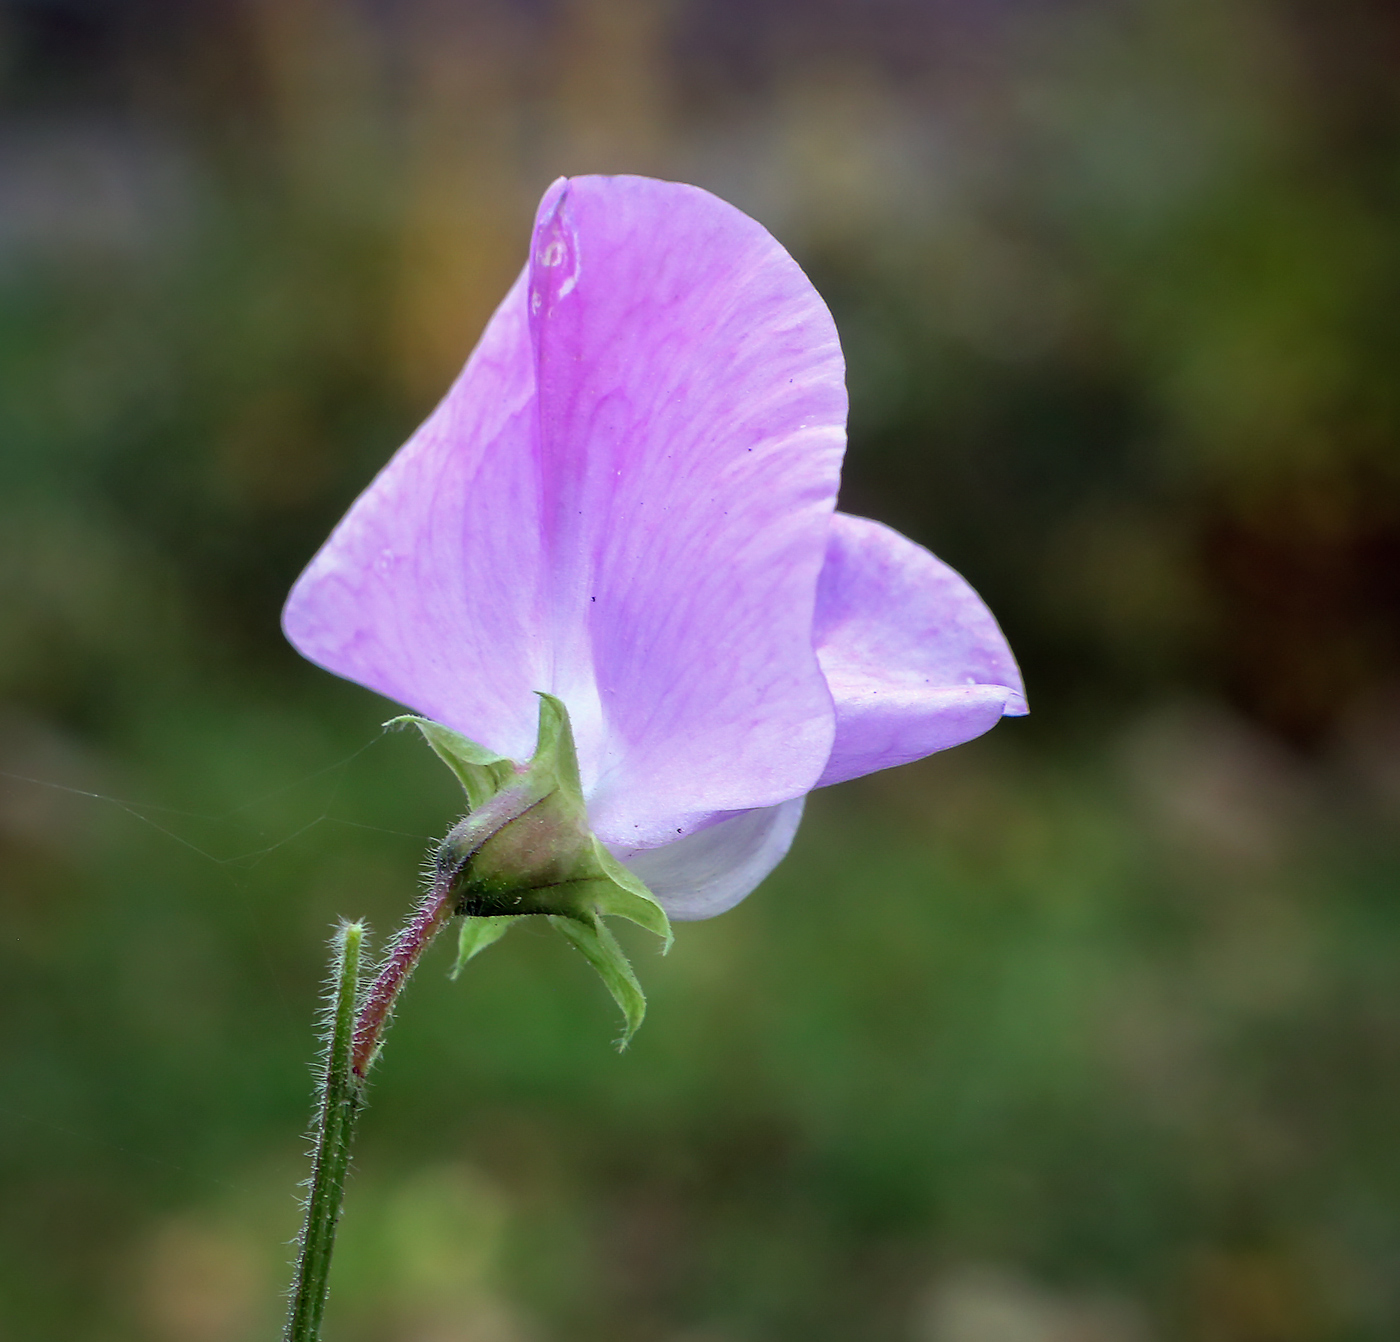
[(914, 660)]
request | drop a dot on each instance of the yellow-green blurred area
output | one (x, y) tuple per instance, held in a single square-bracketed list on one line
[(1085, 1032)]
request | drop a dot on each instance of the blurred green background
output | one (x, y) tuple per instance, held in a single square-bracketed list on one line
[(1086, 1032)]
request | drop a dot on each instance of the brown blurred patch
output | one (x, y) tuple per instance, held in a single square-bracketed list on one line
[(200, 1283), (1253, 1296), (1220, 792), (274, 453), (1305, 574)]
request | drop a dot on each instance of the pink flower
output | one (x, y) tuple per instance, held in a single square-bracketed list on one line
[(626, 501)]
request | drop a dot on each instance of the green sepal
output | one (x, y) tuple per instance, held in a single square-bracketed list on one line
[(622, 895), (554, 746), (544, 858), (476, 935), (599, 947), (526, 848), (481, 772)]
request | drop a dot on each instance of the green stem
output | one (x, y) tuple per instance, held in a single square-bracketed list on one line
[(335, 1124), (358, 1022)]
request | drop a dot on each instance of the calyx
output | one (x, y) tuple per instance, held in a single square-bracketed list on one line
[(525, 848)]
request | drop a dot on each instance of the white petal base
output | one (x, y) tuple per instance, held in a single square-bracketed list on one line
[(713, 869)]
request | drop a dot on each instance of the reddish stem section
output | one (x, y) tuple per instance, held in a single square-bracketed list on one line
[(403, 957), (437, 906)]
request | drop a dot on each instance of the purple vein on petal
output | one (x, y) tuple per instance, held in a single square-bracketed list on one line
[(691, 410), (623, 499)]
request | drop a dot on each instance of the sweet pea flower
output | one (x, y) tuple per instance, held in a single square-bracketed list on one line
[(626, 501)]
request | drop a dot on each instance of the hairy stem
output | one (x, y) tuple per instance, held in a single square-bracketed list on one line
[(358, 1023), (401, 959), (335, 1123)]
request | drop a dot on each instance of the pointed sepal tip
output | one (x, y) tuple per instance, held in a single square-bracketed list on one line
[(526, 847)]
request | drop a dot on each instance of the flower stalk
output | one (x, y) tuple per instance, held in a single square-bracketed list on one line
[(402, 958), (358, 1021), (341, 1099), (523, 848), (357, 1025)]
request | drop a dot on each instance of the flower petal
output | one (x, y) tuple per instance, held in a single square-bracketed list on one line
[(431, 588), (624, 501), (692, 409), (712, 869), (914, 660)]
